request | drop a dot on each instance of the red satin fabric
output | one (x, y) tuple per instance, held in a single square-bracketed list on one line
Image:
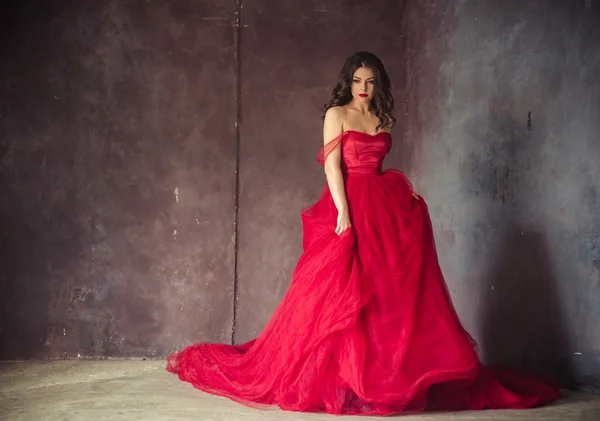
[(367, 325)]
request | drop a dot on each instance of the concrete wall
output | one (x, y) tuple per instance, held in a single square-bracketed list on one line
[(122, 124), (118, 157), (291, 55), (120, 130), (503, 104)]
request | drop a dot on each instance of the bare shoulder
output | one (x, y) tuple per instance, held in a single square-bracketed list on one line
[(335, 117), (333, 124), (336, 113)]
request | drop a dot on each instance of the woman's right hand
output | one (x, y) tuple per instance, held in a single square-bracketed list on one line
[(343, 222)]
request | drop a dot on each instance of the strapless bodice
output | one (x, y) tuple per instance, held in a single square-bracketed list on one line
[(363, 153)]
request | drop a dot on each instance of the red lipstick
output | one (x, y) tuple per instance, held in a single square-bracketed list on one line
[(363, 95)]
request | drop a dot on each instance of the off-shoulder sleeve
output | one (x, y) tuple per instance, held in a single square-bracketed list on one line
[(328, 148)]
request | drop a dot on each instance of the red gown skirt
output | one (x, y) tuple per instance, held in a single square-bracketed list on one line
[(367, 325)]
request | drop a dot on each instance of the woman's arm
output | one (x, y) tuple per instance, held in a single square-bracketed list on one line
[(332, 128)]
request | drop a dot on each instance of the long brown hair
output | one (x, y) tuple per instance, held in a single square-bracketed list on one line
[(382, 102)]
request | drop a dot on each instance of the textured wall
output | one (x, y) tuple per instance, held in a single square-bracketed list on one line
[(291, 55), (503, 101), (117, 168)]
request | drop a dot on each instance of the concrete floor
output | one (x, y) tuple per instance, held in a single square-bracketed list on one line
[(142, 390)]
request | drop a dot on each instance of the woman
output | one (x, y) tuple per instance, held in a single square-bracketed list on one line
[(367, 325)]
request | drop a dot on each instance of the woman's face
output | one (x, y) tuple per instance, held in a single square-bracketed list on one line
[(363, 84)]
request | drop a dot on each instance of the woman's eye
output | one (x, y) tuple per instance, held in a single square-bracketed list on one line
[(372, 82)]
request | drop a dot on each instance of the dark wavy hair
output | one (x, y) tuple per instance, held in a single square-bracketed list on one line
[(382, 102)]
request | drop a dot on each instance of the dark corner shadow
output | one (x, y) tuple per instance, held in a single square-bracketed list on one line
[(522, 320), (24, 292), (522, 323)]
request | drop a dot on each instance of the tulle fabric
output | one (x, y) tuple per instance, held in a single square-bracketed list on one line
[(329, 147), (367, 325)]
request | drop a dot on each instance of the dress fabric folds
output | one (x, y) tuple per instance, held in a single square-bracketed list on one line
[(367, 325)]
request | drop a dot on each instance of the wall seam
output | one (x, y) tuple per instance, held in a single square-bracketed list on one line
[(237, 32)]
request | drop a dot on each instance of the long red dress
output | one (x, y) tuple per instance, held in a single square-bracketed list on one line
[(367, 325)]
